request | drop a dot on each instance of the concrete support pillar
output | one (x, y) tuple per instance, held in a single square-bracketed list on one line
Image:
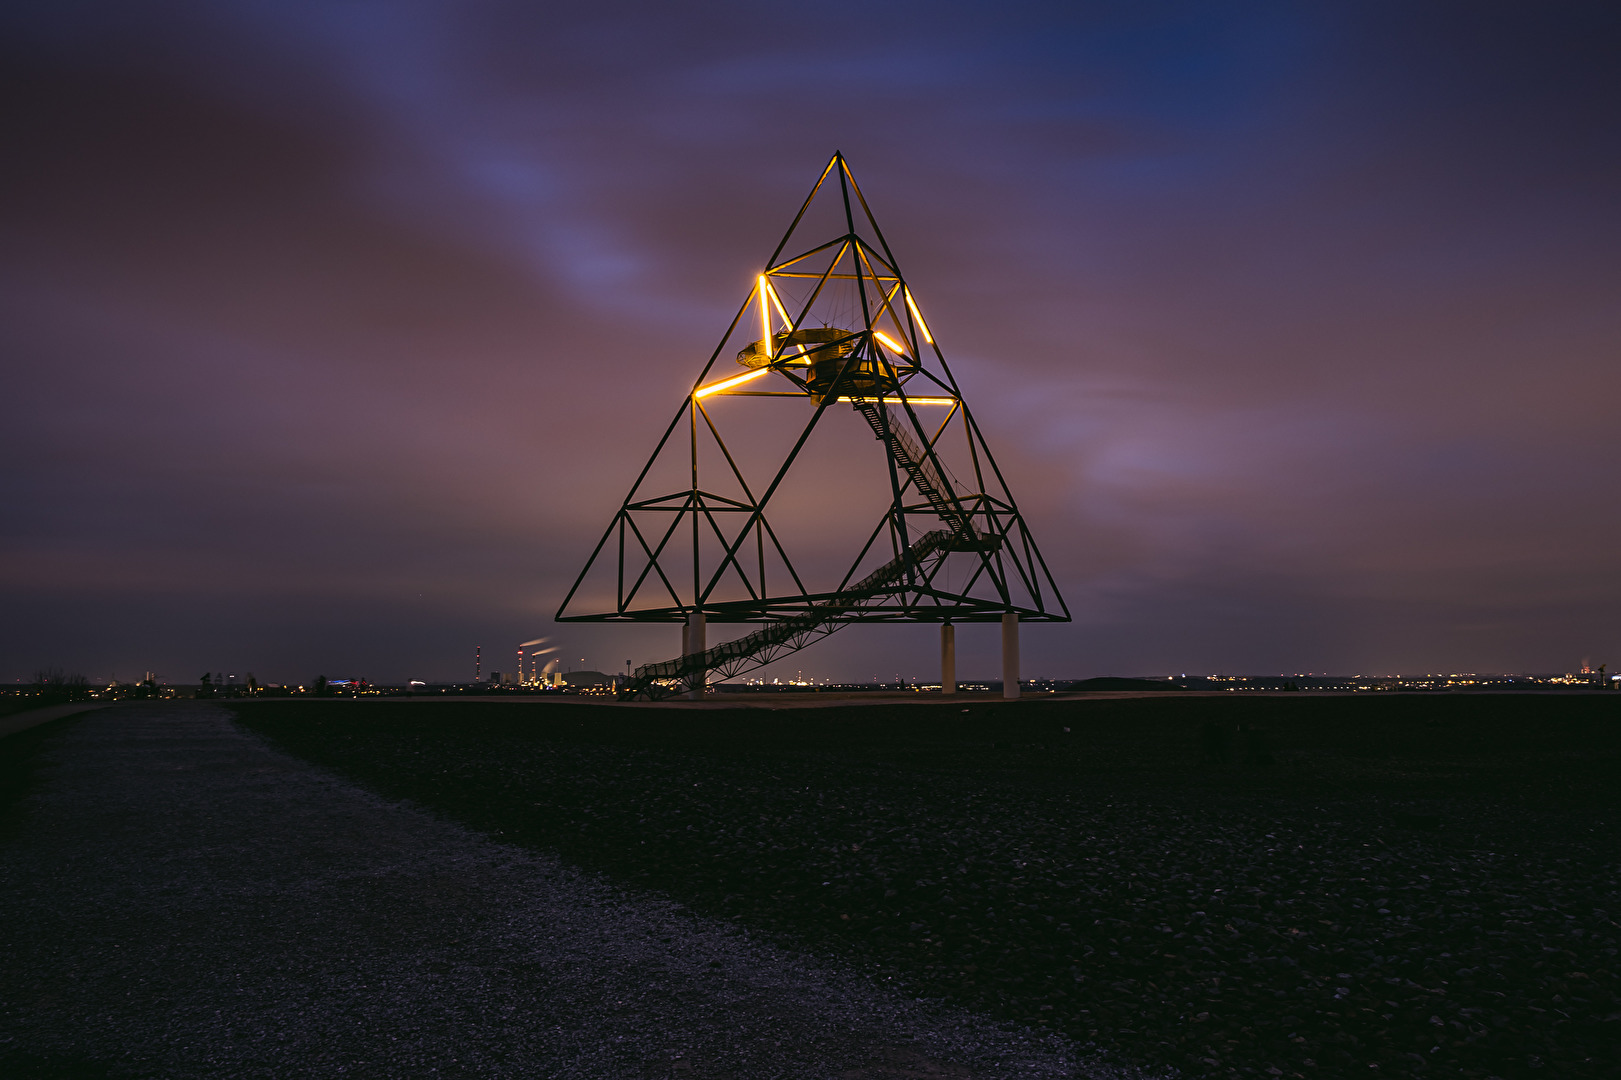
[(948, 658), (694, 634), (1010, 655)]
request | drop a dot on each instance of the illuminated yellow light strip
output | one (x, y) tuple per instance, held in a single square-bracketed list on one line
[(918, 315), (885, 338), (909, 401), (783, 312), (725, 384), (765, 315), (778, 302)]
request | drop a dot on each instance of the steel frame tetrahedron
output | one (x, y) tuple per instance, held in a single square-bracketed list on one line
[(837, 325)]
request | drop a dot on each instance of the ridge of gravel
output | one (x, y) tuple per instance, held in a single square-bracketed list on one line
[(181, 900), (22, 719)]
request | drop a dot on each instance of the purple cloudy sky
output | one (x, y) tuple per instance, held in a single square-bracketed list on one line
[(335, 331)]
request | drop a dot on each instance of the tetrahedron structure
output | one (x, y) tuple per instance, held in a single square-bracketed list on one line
[(838, 405)]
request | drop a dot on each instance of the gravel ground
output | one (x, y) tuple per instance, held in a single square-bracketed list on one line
[(1418, 886), (177, 899)]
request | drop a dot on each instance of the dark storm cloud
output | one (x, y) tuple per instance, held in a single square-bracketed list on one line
[(335, 332)]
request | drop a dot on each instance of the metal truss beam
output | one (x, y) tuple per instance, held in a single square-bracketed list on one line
[(851, 282)]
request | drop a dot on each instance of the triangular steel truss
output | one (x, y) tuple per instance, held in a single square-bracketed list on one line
[(832, 325)]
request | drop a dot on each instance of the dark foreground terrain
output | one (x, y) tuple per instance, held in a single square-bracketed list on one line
[(181, 901), (1279, 886)]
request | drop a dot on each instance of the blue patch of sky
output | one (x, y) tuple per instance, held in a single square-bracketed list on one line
[(1188, 96)]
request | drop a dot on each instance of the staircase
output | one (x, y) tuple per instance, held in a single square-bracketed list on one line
[(785, 635), (925, 477)]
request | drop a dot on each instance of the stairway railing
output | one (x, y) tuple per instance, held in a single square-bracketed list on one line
[(920, 467), (785, 635)]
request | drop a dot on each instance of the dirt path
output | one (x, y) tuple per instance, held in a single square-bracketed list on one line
[(179, 900), (22, 721)]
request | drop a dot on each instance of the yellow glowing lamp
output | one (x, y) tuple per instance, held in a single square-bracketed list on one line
[(776, 302), (885, 338), (727, 384), (918, 315), (909, 401), (765, 311)]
